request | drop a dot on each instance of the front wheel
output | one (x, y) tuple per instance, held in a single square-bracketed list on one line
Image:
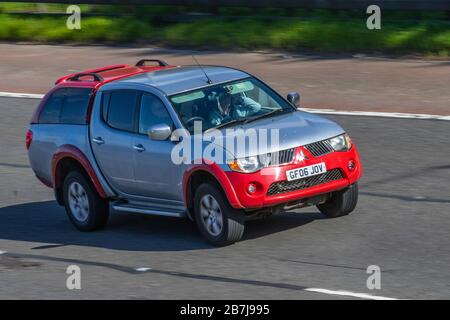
[(86, 210), (218, 222), (341, 202)]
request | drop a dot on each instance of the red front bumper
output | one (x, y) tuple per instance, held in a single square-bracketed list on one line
[(264, 179)]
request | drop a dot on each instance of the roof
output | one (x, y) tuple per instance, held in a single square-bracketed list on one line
[(169, 79), (99, 76), (184, 78)]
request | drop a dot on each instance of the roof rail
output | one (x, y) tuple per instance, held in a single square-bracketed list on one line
[(102, 75), (141, 63), (95, 76), (107, 68), (96, 70)]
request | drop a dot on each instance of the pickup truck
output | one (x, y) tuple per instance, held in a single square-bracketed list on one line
[(105, 138)]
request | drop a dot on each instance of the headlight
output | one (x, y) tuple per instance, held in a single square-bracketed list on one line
[(341, 143), (246, 165)]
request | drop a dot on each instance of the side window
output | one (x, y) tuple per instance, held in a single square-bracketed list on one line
[(121, 108), (152, 111), (75, 106), (52, 109)]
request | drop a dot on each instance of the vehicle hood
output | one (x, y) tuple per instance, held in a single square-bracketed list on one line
[(295, 129)]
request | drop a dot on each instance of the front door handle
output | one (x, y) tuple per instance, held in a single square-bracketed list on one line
[(98, 140), (139, 147)]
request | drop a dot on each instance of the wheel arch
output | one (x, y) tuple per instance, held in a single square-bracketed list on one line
[(66, 159), (196, 175)]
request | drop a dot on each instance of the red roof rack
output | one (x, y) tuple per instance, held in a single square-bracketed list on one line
[(142, 62), (95, 76), (107, 74)]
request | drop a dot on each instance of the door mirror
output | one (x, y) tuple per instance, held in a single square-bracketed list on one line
[(294, 99), (160, 131)]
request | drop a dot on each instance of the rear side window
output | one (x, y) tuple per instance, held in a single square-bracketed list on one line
[(75, 106), (52, 109), (66, 106), (120, 110)]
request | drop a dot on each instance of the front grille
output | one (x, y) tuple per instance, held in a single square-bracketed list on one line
[(278, 157), (319, 148), (287, 186), (284, 156)]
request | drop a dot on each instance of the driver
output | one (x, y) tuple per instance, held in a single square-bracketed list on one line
[(224, 110)]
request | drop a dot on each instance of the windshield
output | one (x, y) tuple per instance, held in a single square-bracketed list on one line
[(228, 103)]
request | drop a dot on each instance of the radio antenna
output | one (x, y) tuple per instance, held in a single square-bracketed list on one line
[(209, 81)]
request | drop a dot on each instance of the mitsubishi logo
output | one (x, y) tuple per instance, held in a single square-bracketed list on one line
[(300, 156)]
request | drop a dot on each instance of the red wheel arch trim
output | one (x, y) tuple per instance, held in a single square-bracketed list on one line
[(69, 151), (220, 176)]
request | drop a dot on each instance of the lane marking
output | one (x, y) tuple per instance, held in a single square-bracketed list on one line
[(21, 95), (398, 115), (316, 290), (143, 269), (349, 294)]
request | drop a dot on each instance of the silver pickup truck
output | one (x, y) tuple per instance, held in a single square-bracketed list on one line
[(111, 138)]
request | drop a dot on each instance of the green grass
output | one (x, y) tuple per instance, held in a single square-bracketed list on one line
[(313, 30), (6, 7)]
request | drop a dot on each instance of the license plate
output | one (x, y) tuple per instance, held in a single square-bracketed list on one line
[(307, 171)]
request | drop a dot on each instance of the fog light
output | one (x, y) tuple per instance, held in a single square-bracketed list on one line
[(251, 188), (351, 165)]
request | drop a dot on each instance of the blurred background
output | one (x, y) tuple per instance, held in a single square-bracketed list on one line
[(408, 26)]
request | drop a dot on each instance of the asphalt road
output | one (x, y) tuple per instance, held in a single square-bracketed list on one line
[(401, 224)]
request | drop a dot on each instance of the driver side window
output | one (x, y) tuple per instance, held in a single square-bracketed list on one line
[(152, 111)]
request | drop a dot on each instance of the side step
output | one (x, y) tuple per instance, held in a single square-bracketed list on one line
[(134, 208)]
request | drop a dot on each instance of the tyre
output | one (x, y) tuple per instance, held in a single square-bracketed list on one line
[(341, 203), (217, 221), (86, 210)]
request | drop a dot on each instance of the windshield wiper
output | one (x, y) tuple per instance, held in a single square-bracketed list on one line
[(226, 124), (248, 120)]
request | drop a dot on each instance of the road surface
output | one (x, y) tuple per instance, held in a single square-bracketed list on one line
[(401, 224), (356, 82)]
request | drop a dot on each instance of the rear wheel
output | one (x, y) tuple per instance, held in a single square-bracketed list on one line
[(85, 209), (218, 222), (341, 203)]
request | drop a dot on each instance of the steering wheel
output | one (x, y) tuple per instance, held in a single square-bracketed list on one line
[(192, 119)]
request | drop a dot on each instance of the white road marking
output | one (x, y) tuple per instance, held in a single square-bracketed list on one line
[(21, 95), (143, 269), (312, 110), (379, 114), (349, 294), (317, 290)]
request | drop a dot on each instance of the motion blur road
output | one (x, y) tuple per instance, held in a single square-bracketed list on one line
[(401, 224), (343, 82)]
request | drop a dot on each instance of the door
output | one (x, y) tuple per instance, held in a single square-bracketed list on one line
[(156, 176), (112, 138)]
